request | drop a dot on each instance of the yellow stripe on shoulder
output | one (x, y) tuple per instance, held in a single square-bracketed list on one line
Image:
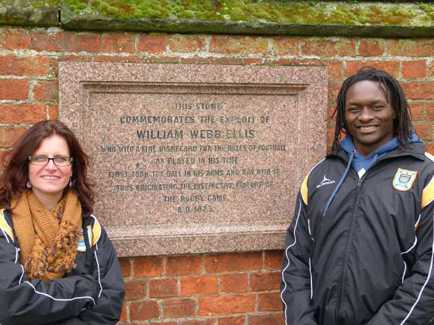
[(304, 191), (5, 226), (96, 231), (428, 194)]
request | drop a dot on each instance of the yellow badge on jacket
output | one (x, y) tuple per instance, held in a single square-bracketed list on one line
[(404, 179)]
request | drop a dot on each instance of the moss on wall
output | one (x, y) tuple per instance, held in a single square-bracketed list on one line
[(240, 16)]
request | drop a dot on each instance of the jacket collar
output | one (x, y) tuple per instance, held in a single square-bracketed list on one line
[(415, 150)]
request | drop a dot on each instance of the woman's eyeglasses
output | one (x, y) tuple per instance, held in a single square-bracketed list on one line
[(60, 161)]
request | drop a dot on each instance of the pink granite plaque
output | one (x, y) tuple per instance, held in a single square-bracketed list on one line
[(196, 158)]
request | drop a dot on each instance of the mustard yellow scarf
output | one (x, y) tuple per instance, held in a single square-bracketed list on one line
[(47, 238)]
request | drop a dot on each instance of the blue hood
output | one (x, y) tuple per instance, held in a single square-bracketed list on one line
[(365, 162)]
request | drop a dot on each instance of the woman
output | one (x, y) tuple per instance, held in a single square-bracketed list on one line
[(57, 265)]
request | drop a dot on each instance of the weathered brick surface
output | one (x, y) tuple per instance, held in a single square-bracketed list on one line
[(160, 288), (233, 262), (208, 289), (14, 89), (179, 265), (25, 113), (234, 282), (177, 308), (371, 47), (144, 310), (148, 266), (206, 284), (227, 304)]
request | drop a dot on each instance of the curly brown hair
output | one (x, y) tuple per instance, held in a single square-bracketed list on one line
[(15, 175)]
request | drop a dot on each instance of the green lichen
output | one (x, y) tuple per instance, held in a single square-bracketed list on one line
[(288, 12), (348, 18), (29, 12)]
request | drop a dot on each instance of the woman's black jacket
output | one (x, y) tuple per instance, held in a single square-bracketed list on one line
[(92, 293)]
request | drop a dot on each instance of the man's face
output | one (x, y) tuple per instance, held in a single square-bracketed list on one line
[(369, 116)]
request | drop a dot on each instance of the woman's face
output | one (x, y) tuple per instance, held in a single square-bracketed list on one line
[(47, 178)]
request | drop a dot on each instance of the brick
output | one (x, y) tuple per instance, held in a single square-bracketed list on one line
[(371, 47), (328, 47), (3, 158), (125, 266), (429, 108), (163, 288), (45, 90), (430, 148), (177, 308), (135, 289), (182, 265), (53, 112), (89, 42), (417, 111), (391, 67), (8, 136), (22, 113), (14, 89), (26, 66), (269, 301), (273, 259), (118, 42), (148, 266), (48, 41), (226, 304), (124, 313), (198, 285), (152, 43), (233, 262), (286, 45), (16, 39), (419, 90), (265, 281), (414, 69), (242, 45), (424, 131), (333, 91), (335, 70), (199, 322), (417, 48), (187, 43), (144, 310), (162, 323), (272, 319), (240, 320), (234, 282)]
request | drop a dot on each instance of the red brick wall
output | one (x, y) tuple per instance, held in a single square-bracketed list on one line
[(222, 289)]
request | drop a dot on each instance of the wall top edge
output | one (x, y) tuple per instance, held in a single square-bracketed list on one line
[(268, 17)]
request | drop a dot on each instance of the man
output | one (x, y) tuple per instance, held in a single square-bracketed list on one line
[(360, 246)]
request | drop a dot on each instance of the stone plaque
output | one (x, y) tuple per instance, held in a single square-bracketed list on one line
[(195, 158)]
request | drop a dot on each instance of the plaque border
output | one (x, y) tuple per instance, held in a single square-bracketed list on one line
[(77, 80)]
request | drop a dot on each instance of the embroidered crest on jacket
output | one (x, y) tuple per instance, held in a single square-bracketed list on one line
[(404, 179)]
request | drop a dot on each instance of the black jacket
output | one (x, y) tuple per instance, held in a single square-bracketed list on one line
[(360, 251), (92, 293)]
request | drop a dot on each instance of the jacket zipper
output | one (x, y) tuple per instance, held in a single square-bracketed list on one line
[(347, 245), (351, 230)]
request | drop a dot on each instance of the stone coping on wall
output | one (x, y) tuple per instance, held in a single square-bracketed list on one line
[(267, 17)]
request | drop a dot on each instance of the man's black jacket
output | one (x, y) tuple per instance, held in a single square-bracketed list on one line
[(360, 250)]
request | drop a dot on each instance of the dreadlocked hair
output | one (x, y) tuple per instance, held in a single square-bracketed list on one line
[(394, 94)]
